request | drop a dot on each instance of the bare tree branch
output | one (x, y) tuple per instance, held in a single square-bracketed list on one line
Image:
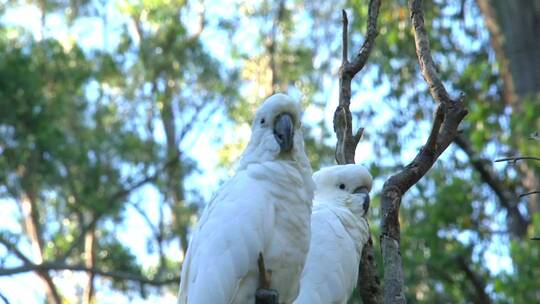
[(347, 142), (529, 193), (369, 282), (477, 282), (114, 199), (517, 222), (14, 249), (59, 266), (263, 294), (515, 159), (447, 118), (6, 301)]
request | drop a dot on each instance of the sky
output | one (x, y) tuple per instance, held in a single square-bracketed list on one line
[(90, 34)]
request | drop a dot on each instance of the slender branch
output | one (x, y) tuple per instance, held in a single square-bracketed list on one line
[(515, 159), (447, 118), (517, 222), (345, 37), (4, 299), (369, 282), (347, 142), (361, 58), (477, 282), (263, 294), (114, 198), (529, 193), (59, 266), (13, 249), (427, 66)]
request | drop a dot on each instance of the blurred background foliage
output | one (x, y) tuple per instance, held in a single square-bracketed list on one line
[(119, 119)]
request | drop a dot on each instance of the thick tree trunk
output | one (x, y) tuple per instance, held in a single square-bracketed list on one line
[(514, 28)]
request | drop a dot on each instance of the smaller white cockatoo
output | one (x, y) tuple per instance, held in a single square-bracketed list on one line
[(338, 234), (265, 208)]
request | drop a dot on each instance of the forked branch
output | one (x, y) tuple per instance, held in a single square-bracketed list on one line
[(447, 118), (346, 141), (370, 287)]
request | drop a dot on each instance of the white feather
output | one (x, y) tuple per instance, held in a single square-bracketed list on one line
[(265, 208), (338, 234)]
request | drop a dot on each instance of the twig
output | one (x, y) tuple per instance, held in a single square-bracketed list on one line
[(529, 193), (447, 118), (264, 276), (369, 282), (515, 159), (265, 295)]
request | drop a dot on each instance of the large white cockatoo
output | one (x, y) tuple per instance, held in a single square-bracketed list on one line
[(338, 234), (264, 208)]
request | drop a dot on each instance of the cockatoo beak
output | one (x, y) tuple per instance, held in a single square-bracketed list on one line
[(365, 194), (284, 131), (365, 205)]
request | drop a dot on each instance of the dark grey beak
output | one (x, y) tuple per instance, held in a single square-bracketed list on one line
[(365, 203), (284, 131)]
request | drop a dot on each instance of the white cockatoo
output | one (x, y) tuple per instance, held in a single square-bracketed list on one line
[(264, 208), (338, 234)]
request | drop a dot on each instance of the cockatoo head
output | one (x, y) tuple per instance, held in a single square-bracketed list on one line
[(276, 132), (344, 185)]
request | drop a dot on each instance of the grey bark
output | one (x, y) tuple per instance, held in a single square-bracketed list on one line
[(447, 118), (368, 278)]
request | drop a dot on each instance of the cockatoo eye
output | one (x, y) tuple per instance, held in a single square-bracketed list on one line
[(263, 121), (341, 186)]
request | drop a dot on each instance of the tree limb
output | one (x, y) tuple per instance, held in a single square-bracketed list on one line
[(114, 198), (529, 193), (369, 282), (4, 299), (347, 142), (515, 159), (13, 249), (447, 118), (517, 222), (477, 282), (59, 266)]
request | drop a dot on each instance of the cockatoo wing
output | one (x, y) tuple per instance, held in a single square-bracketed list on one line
[(331, 269), (221, 262)]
